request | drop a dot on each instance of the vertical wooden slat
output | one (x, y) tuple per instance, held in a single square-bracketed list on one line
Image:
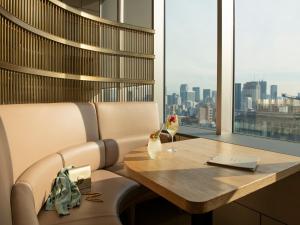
[(26, 49)]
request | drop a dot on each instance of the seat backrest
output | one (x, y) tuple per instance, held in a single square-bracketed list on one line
[(29, 133), (39, 178), (129, 124), (124, 119)]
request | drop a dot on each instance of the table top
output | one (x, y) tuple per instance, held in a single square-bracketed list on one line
[(185, 179)]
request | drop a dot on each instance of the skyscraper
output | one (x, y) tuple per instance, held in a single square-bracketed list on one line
[(247, 104), (263, 89), (251, 89), (183, 92), (190, 96), (214, 95), (197, 93), (273, 92), (237, 96), (206, 94), (170, 100), (173, 99)]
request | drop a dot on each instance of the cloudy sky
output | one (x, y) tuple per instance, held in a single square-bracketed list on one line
[(267, 43)]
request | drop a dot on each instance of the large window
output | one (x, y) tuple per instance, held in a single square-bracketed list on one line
[(267, 68), (191, 62)]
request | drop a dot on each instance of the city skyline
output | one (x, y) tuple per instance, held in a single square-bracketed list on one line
[(267, 91), (256, 110), (270, 54), (284, 86)]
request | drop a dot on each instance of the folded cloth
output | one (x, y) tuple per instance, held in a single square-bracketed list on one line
[(64, 194)]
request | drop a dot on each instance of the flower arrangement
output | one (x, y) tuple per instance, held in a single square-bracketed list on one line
[(172, 125), (171, 119)]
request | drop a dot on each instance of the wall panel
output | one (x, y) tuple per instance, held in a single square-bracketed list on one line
[(51, 52)]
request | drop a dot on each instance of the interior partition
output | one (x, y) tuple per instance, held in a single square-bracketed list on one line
[(52, 52)]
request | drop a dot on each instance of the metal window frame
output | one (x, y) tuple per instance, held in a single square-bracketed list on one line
[(225, 66)]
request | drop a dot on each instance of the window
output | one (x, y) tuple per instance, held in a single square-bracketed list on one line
[(89, 6), (138, 12), (191, 63), (267, 68)]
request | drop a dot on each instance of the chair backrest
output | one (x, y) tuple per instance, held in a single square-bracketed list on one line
[(31, 132), (124, 119), (129, 124)]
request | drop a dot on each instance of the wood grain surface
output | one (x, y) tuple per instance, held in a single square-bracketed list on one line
[(185, 179)]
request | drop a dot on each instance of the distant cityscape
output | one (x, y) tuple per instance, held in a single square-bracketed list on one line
[(257, 110), (193, 107)]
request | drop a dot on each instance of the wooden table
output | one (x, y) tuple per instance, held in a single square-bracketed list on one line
[(187, 181)]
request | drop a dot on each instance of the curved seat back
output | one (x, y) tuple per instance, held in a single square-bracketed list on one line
[(37, 140), (39, 179), (33, 187), (90, 153), (31, 132), (128, 123)]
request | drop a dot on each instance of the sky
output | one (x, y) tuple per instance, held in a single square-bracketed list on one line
[(267, 43), (187, 59)]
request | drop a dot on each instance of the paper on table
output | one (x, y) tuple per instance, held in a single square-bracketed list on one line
[(237, 161)]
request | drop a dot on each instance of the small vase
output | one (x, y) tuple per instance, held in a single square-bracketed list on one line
[(154, 147)]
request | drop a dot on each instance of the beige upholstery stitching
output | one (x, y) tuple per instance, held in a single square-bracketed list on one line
[(62, 159), (97, 118)]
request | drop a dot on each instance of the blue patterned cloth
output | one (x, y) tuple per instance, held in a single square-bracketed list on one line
[(64, 194)]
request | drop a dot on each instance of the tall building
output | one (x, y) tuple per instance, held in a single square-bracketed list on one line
[(176, 99), (273, 92), (183, 92), (170, 100), (214, 95), (173, 99), (197, 93), (237, 96), (263, 89), (251, 89), (205, 115), (206, 94), (190, 96), (247, 104)]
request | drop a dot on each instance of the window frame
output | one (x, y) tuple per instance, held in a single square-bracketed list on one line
[(225, 35)]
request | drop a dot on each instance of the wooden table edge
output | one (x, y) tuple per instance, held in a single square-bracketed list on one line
[(193, 207)]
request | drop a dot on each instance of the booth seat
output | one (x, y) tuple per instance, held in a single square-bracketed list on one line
[(38, 140), (129, 125)]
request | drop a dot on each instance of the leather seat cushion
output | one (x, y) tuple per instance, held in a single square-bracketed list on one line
[(113, 188), (119, 169)]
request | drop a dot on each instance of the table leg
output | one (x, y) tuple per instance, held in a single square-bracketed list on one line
[(202, 219)]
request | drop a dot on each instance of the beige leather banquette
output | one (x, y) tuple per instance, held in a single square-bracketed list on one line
[(37, 140), (129, 124)]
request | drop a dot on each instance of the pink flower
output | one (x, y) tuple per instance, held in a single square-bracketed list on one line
[(172, 119)]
